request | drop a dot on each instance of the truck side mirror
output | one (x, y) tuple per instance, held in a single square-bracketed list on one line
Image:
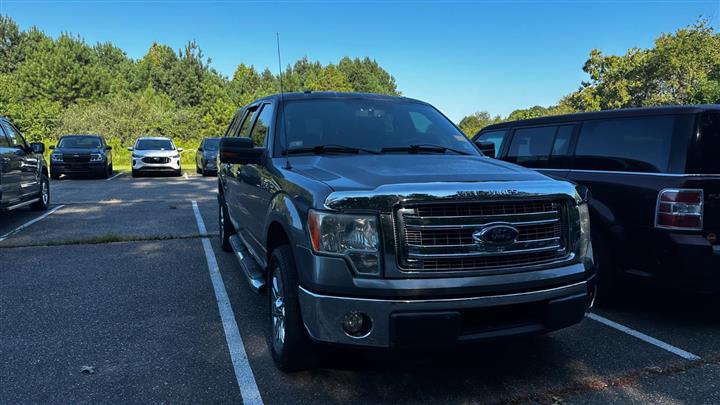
[(130, 148), (239, 150), (487, 148)]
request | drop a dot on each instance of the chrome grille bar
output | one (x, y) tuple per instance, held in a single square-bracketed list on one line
[(439, 237)]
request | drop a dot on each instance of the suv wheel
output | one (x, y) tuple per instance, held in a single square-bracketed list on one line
[(289, 342), (55, 176), (226, 228), (135, 173), (44, 202)]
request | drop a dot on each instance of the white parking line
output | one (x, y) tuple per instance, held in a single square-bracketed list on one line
[(243, 372), (648, 339), (28, 223), (119, 174), (185, 175)]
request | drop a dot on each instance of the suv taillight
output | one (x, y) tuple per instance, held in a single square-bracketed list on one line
[(680, 209)]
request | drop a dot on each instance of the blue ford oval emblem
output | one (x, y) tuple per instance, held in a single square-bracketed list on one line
[(498, 235)]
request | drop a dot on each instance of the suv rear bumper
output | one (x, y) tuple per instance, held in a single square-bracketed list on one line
[(687, 261), (413, 322)]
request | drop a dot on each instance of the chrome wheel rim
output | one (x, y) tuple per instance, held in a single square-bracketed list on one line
[(222, 222), (45, 193), (277, 309)]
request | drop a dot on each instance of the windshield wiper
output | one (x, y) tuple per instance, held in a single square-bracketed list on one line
[(426, 147), (322, 149)]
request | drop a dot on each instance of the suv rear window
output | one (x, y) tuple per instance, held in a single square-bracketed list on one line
[(710, 144), (640, 144)]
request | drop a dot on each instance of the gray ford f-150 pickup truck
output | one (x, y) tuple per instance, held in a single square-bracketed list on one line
[(372, 220)]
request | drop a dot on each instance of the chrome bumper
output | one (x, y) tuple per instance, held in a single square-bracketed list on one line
[(323, 315)]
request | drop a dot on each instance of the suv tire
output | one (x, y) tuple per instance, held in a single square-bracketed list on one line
[(44, 202), (290, 345), (135, 173)]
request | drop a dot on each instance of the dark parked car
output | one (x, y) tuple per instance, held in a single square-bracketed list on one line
[(654, 178), (81, 154), (206, 156), (374, 221), (23, 172)]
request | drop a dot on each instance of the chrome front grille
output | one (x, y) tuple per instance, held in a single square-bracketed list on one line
[(439, 237)]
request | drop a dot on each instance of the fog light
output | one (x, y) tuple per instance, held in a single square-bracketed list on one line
[(356, 324)]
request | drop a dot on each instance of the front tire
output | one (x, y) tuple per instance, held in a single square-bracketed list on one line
[(290, 345), (44, 202), (225, 226), (135, 173)]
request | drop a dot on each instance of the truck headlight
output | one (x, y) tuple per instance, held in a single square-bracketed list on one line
[(585, 251), (56, 157), (96, 157), (353, 236)]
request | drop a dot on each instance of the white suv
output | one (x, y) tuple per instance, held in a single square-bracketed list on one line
[(155, 154)]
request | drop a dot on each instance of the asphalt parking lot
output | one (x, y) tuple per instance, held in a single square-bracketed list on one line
[(118, 279)]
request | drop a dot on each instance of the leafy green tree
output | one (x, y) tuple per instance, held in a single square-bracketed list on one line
[(473, 123)]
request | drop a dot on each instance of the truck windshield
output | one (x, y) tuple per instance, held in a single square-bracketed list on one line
[(84, 142), (212, 143), (390, 126), (154, 144)]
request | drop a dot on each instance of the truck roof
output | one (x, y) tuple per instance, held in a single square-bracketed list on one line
[(620, 113)]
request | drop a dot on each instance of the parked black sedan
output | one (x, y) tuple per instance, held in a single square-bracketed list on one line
[(206, 155), (81, 154)]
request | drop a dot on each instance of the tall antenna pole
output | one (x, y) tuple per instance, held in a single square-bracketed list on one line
[(282, 106)]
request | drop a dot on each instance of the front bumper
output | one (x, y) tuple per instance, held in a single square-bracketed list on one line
[(78, 168), (413, 322), (209, 165), (139, 165)]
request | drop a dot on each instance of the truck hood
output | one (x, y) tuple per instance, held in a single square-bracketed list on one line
[(368, 172)]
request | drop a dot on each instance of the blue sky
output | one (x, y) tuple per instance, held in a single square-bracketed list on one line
[(462, 56)]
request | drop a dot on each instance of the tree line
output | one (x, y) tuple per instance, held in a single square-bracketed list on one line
[(53, 86), (681, 68)]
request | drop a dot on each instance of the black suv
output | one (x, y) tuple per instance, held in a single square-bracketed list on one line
[(374, 221), (81, 154), (654, 178), (23, 172), (206, 156)]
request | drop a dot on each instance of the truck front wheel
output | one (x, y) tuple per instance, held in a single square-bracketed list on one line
[(289, 342), (226, 228)]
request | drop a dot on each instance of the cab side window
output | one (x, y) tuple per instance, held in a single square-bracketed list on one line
[(262, 126), (13, 136), (3, 140), (247, 122)]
